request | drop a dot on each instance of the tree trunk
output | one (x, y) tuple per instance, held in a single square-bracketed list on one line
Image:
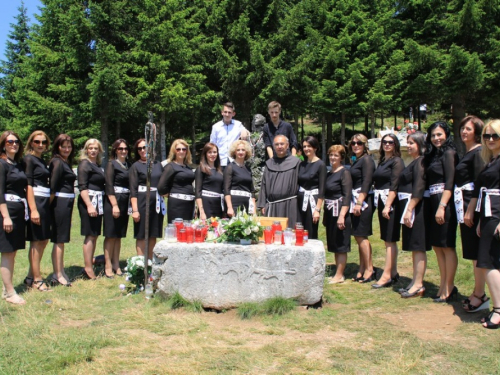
[(302, 126), (193, 140), (329, 131), (296, 127), (366, 124), (163, 145), (342, 129), (118, 129), (382, 121), (458, 113), (104, 135), (323, 138), (372, 126)]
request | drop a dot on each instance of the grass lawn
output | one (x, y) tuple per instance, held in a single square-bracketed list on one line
[(95, 328)]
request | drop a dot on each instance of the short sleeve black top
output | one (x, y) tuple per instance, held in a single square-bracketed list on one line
[(90, 176), (138, 174), (176, 178), (442, 170), (116, 175), (412, 179), (469, 167), (211, 182), (62, 177), (339, 184), (36, 171), (313, 176), (387, 174), (238, 178), (362, 173), (13, 180), (489, 178)]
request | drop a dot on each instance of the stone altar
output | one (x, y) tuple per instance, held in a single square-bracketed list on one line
[(225, 275)]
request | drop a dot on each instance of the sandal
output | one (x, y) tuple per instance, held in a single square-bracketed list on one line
[(470, 308), (56, 282), (14, 298), (28, 281), (489, 324), (41, 285)]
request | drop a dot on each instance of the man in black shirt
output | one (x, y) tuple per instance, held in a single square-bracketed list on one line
[(277, 127)]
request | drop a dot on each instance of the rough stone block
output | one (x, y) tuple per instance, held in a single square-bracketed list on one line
[(224, 275)]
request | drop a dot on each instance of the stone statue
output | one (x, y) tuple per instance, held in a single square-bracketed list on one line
[(258, 159)]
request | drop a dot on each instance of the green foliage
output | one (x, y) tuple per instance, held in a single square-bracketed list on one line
[(176, 301), (248, 310), (273, 306)]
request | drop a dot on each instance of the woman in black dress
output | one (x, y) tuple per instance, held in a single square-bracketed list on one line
[(385, 181), (38, 197), (116, 206), (487, 190), (239, 191), (90, 201), (362, 170), (336, 219), (412, 205), (466, 172), (62, 198), (440, 160), (208, 183), (177, 181), (137, 181), (312, 176), (13, 209)]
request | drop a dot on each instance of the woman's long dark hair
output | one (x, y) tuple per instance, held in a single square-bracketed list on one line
[(431, 151), (397, 151), (204, 167), (59, 141)]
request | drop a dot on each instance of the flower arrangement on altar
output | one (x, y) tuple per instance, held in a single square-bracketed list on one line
[(409, 127), (135, 270), (242, 226)]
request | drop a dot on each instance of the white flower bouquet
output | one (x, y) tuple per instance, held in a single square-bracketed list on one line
[(135, 270), (241, 226)]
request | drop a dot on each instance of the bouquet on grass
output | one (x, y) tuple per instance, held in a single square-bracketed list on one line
[(135, 270), (242, 226)]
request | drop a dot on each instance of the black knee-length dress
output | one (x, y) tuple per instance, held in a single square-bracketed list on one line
[(338, 187), (441, 170), (38, 175), (412, 181), (91, 178), (466, 172), (489, 247), (239, 178), (312, 176), (385, 180), (138, 178), (13, 182), (362, 178), (116, 175), (62, 185), (177, 179), (213, 183)]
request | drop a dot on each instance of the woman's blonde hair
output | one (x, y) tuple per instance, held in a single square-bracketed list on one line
[(83, 151), (172, 154), (486, 153), (362, 138), (234, 146), (36, 133)]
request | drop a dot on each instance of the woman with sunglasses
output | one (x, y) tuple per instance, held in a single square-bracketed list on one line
[(440, 161), (312, 177), (466, 172), (238, 183), (116, 206), (208, 183), (38, 196), (362, 170), (138, 190), (13, 209), (62, 198), (91, 183), (177, 181), (385, 180), (486, 199), (412, 208)]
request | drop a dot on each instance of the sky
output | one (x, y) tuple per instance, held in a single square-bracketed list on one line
[(8, 12)]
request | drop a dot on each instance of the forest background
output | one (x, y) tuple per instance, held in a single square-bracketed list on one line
[(95, 68)]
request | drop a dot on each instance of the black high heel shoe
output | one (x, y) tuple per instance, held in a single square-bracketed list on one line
[(395, 279), (384, 285), (368, 279), (489, 324), (85, 275), (453, 295), (418, 293)]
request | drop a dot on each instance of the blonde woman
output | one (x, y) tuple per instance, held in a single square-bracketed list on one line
[(91, 201), (177, 181), (239, 191), (38, 197)]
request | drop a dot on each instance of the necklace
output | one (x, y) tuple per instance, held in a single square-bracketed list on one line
[(10, 161), (122, 165)]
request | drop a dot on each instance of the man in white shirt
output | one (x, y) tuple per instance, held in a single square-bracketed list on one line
[(226, 131)]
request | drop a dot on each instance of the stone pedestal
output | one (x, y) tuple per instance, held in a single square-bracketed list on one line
[(223, 276)]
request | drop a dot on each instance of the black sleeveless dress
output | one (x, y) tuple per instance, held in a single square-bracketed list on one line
[(211, 182), (90, 177), (178, 179), (362, 177), (116, 175), (62, 180)]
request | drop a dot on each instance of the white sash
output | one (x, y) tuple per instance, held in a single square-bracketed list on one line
[(459, 199), (208, 193), (65, 195), (97, 200), (334, 205), (121, 190), (354, 198), (17, 198), (407, 196), (40, 191), (436, 189), (308, 198), (241, 193), (160, 203), (487, 200), (383, 194)]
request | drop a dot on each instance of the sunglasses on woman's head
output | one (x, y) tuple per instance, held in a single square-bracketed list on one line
[(37, 142), (13, 142), (493, 136)]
